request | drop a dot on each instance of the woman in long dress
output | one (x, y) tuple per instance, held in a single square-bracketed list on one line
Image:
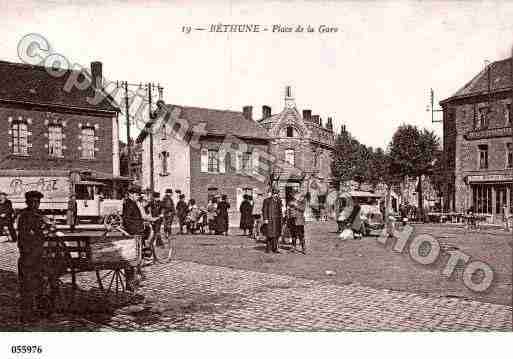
[(222, 216), (211, 215), (246, 215)]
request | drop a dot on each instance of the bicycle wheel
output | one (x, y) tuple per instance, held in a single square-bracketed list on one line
[(163, 248)]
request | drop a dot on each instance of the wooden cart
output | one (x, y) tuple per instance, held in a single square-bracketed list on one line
[(110, 254)]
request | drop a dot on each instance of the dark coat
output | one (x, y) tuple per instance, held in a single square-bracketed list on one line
[(246, 216), (153, 208), (298, 212), (181, 209), (31, 232), (167, 206), (132, 217), (272, 212), (7, 210), (222, 217)]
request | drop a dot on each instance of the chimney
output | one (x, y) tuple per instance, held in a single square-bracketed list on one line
[(288, 92), (329, 124), (266, 111), (307, 115), (315, 119), (96, 75), (247, 112)]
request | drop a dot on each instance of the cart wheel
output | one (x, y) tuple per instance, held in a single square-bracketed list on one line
[(111, 281)]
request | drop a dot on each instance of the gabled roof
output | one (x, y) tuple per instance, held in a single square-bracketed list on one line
[(500, 80), (287, 114), (217, 122), (36, 85)]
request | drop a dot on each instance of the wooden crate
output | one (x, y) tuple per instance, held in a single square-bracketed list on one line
[(90, 250)]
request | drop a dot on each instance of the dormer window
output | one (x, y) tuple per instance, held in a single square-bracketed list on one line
[(288, 131), (482, 117)]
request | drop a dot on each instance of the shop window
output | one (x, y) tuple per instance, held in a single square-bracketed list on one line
[(483, 156), (87, 138), (19, 133), (482, 199), (500, 199), (55, 140)]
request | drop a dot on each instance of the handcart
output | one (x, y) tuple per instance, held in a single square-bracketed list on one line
[(110, 254)]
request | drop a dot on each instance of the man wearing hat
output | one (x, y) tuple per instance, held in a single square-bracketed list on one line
[(272, 216), (6, 216), (181, 212), (31, 227), (168, 211), (133, 224)]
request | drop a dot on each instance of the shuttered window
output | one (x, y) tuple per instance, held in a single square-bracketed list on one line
[(87, 138), (19, 138), (55, 140)]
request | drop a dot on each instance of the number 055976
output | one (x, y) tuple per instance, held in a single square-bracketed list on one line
[(26, 349)]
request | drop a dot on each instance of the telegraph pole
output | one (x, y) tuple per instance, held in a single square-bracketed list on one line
[(152, 183), (128, 145)]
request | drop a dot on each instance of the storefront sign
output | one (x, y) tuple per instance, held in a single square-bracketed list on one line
[(490, 178), (492, 132)]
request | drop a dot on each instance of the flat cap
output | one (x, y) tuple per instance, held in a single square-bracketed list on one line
[(134, 189), (33, 195)]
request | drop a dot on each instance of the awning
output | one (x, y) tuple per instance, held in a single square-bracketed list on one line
[(91, 183)]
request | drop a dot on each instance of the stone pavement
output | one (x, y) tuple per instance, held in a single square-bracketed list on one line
[(188, 296)]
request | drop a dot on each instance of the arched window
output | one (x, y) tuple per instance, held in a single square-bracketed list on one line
[(290, 131), (164, 170)]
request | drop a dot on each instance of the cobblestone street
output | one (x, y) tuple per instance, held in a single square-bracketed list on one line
[(183, 295)]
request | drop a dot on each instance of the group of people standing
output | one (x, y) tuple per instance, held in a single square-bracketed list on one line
[(267, 216)]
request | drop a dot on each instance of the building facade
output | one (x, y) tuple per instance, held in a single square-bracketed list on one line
[(205, 153), (478, 152), (46, 124), (303, 148)]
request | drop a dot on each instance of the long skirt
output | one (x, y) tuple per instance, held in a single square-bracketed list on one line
[(222, 223)]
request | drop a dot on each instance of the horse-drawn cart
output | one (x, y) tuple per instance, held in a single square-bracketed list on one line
[(110, 254)]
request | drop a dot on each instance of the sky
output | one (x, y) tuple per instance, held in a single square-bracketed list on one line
[(373, 75)]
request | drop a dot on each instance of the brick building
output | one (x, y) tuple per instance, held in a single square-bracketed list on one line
[(46, 122), (305, 146), (477, 143), (131, 167), (205, 152)]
